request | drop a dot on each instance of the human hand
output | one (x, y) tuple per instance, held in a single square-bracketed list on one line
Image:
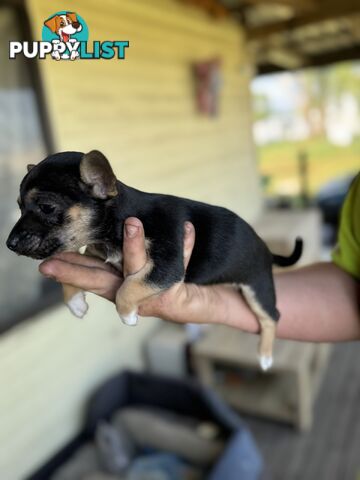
[(93, 275)]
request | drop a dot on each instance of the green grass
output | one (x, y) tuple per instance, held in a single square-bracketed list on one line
[(278, 162)]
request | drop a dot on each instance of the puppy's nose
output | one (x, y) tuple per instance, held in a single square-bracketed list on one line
[(12, 242), (76, 24)]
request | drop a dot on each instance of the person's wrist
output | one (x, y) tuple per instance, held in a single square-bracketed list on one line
[(236, 312), (202, 304), (218, 306)]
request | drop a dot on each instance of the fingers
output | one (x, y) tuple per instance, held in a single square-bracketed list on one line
[(83, 260), (134, 249), (169, 302), (93, 275), (91, 279), (189, 242)]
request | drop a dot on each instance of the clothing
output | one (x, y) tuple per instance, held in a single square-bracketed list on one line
[(347, 252), (240, 461)]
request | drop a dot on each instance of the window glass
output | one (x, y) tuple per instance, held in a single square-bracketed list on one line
[(22, 290)]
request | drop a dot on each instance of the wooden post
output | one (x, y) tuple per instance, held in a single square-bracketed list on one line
[(303, 164)]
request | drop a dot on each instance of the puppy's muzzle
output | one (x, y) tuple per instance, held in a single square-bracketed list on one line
[(12, 242), (23, 243)]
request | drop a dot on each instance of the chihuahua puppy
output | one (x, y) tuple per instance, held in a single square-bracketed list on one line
[(71, 200)]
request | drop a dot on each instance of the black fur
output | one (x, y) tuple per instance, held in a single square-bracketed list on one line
[(227, 249)]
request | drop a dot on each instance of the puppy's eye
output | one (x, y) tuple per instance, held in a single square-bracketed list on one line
[(46, 208)]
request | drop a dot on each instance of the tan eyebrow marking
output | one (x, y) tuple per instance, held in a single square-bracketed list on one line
[(31, 194)]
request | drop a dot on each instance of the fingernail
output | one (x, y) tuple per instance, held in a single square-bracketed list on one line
[(131, 230), (187, 227)]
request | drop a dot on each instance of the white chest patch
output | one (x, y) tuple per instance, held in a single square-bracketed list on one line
[(82, 249)]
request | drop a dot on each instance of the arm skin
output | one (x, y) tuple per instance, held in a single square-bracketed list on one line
[(318, 303)]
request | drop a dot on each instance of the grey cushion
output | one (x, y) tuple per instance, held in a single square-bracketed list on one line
[(114, 447), (168, 432)]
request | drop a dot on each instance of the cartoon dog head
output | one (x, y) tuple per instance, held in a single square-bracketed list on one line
[(63, 202), (64, 25)]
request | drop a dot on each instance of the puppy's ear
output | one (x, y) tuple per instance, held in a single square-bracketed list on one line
[(51, 23), (72, 16), (30, 166), (96, 172)]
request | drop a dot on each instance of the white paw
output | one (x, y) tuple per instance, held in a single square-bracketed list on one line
[(56, 55), (265, 362), (130, 319), (78, 305)]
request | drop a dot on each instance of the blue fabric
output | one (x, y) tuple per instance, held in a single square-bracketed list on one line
[(160, 466), (240, 460)]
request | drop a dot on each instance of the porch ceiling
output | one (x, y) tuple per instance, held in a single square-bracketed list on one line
[(292, 34)]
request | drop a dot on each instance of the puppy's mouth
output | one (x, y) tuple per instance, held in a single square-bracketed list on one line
[(46, 250), (40, 249), (70, 30)]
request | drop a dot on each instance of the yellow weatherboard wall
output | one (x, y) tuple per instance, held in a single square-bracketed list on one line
[(141, 113)]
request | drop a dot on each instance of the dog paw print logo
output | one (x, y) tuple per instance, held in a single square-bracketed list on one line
[(65, 30)]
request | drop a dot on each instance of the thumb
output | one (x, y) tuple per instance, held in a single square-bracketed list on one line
[(134, 249)]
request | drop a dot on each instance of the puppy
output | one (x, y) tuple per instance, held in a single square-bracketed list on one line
[(64, 26), (72, 199)]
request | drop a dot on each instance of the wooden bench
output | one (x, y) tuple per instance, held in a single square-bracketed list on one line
[(226, 360)]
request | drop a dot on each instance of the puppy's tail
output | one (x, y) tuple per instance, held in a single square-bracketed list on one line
[(281, 261)]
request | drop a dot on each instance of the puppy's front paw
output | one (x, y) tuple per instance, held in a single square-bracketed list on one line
[(130, 319), (78, 305), (266, 362)]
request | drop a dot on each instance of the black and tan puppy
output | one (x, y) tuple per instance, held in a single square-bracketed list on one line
[(71, 200)]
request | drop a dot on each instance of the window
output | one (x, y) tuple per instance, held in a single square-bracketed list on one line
[(24, 138)]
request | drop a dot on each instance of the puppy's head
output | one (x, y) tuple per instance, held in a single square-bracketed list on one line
[(64, 25), (63, 201)]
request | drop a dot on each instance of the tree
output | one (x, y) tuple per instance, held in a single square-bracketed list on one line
[(261, 106), (344, 78)]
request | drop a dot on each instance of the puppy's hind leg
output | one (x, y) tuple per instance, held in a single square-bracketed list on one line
[(260, 296), (266, 344), (74, 298)]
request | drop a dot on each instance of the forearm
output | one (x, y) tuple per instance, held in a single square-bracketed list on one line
[(318, 303)]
